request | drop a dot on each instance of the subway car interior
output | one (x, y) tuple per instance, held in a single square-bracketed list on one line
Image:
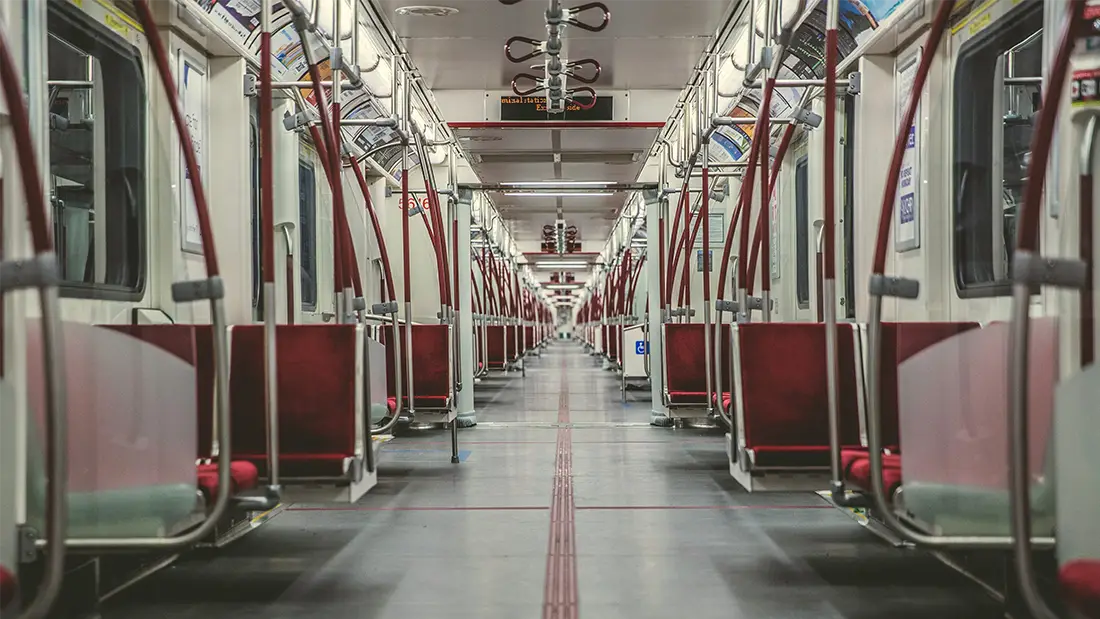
[(372, 309)]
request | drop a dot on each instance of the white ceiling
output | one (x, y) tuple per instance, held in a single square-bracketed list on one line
[(649, 44)]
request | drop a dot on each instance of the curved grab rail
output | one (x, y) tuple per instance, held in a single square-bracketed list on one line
[(880, 285), (539, 48), (571, 70), (57, 466), (212, 290), (1030, 269), (570, 16)]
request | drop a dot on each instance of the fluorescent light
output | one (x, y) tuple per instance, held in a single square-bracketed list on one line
[(561, 265), (559, 194), (560, 184), (562, 286)]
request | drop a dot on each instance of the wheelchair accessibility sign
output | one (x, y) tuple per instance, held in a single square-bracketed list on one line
[(641, 347)]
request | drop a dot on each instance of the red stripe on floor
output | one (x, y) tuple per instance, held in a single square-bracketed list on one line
[(560, 595)]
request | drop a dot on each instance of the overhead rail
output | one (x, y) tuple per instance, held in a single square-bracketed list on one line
[(556, 70)]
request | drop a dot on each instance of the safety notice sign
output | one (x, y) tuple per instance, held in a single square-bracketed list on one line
[(1083, 87)]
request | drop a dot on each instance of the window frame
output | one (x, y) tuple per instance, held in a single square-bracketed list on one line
[(802, 234), (78, 22), (256, 212), (848, 205), (306, 165), (971, 44)]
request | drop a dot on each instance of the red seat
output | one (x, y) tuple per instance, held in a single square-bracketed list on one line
[(859, 472), (9, 586), (194, 344), (784, 396), (317, 382), (495, 357), (900, 341), (431, 367), (685, 362), (1080, 582), (244, 474)]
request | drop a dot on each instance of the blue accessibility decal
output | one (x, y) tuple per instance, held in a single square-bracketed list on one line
[(641, 347)]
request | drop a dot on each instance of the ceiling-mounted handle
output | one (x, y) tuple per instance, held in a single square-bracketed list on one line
[(587, 62), (538, 46), (571, 16), (526, 76), (571, 96)]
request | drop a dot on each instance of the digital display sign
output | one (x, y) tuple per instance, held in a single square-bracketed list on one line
[(513, 108)]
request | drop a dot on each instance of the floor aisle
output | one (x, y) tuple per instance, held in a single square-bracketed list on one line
[(567, 504)]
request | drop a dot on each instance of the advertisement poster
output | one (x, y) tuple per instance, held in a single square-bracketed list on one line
[(192, 88), (907, 201)]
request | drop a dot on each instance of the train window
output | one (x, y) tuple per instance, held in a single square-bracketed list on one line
[(97, 156), (997, 97), (849, 213), (307, 233), (802, 231), (257, 219)]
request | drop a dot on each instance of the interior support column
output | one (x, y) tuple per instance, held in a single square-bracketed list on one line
[(467, 416), (653, 201)]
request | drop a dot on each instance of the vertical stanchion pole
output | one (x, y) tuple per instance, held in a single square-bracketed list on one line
[(829, 258), (267, 219), (406, 266)]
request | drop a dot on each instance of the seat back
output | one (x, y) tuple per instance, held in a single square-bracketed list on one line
[(193, 344), (494, 344), (319, 378), (431, 361), (781, 393), (685, 364), (131, 439), (952, 403), (900, 341)]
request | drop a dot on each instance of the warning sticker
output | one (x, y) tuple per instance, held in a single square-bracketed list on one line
[(1083, 88)]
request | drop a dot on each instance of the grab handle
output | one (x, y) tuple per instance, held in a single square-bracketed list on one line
[(571, 16), (538, 48), (589, 62)]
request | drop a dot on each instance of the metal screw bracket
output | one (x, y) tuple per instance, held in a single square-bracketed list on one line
[(722, 305), (28, 544), (806, 117), (358, 304), (250, 87), (757, 303), (854, 80)]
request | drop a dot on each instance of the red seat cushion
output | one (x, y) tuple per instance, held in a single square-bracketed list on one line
[(244, 477), (8, 586), (1080, 581), (391, 404), (859, 472)]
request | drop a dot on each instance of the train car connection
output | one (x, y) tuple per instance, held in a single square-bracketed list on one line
[(773, 308)]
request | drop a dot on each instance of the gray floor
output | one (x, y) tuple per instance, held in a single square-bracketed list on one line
[(660, 530)]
